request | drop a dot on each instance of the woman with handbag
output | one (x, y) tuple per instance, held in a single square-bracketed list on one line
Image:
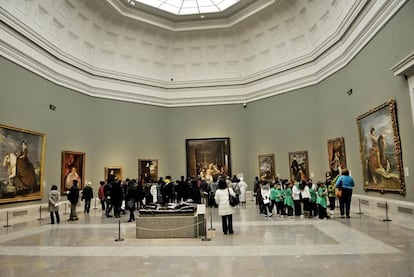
[(346, 183), (222, 198)]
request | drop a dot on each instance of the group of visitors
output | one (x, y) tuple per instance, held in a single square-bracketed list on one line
[(304, 198), (286, 197)]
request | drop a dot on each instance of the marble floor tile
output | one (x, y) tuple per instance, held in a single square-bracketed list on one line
[(359, 246)]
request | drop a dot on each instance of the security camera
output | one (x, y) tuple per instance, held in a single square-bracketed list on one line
[(244, 105)]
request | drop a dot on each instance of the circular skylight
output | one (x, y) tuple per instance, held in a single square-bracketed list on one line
[(187, 7)]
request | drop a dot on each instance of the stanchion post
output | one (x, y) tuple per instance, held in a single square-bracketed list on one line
[(386, 213), (359, 206), (211, 223), (40, 213), (7, 220), (119, 232), (95, 205), (65, 210), (205, 232)]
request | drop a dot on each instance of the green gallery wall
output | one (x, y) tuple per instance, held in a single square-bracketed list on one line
[(114, 133)]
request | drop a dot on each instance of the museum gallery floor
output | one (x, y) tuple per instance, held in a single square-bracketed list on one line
[(359, 246)]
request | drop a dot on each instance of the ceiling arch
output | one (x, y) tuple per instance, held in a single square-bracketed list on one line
[(95, 48)]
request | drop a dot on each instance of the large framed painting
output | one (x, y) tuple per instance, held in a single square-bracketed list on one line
[(336, 156), (267, 166), (73, 168), (148, 170), (380, 149), (208, 158), (299, 165), (112, 173), (22, 170)]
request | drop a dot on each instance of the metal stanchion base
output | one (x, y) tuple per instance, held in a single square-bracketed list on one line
[(205, 239), (120, 239), (6, 226), (212, 229), (386, 220)]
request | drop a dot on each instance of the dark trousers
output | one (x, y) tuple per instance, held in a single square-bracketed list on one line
[(313, 209), (298, 208), (73, 215), (332, 203), (227, 223), (322, 212), (305, 204), (52, 218), (289, 210), (279, 208), (87, 206), (108, 207), (345, 201), (103, 204)]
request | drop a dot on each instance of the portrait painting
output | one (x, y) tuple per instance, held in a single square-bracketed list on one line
[(267, 166), (336, 156), (380, 149), (148, 170), (112, 173), (73, 168), (21, 174), (299, 165), (208, 158)]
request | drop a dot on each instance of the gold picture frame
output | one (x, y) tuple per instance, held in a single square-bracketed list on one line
[(336, 156), (299, 165), (22, 171), (380, 149), (73, 167), (267, 169), (208, 158), (148, 170), (112, 172)]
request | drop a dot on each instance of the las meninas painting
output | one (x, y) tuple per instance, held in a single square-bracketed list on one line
[(381, 149)]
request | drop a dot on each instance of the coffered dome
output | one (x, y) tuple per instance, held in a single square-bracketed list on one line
[(256, 49)]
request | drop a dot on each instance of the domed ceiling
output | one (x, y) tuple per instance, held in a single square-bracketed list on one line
[(134, 52)]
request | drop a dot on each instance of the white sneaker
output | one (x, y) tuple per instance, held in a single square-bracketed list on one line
[(331, 212)]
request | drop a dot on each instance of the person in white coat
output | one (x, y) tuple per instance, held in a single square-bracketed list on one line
[(153, 191), (226, 211), (243, 189)]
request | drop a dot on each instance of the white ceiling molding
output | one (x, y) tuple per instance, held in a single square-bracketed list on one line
[(21, 45), (186, 24)]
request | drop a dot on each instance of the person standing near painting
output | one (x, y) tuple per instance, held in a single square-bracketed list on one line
[(73, 197), (54, 197), (222, 198), (346, 183), (87, 195)]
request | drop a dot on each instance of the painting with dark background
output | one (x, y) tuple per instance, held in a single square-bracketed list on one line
[(148, 169), (73, 167), (208, 158)]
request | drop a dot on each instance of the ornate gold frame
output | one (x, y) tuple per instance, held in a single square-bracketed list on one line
[(302, 158), (266, 161), (11, 141), (117, 172), (72, 159), (381, 155), (150, 173)]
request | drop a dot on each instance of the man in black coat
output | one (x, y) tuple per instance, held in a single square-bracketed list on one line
[(87, 195), (73, 197)]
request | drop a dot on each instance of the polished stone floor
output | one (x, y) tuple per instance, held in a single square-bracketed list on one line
[(359, 246)]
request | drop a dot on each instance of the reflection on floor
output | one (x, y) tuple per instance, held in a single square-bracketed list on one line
[(359, 246)]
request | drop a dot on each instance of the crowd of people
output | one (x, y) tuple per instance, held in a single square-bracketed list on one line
[(304, 198), (278, 196)]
